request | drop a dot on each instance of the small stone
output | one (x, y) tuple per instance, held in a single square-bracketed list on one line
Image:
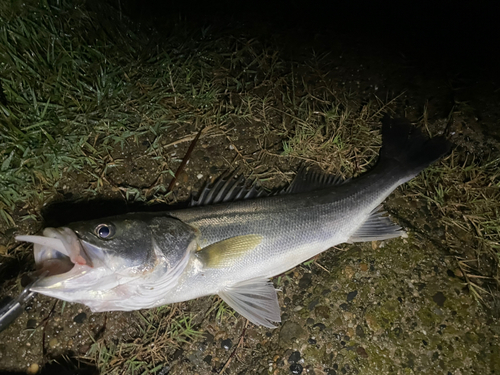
[(439, 298), (321, 326), (53, 343), (459, 273), (195, 357), (305, 281), (362, 352), (351, 295), (199, 176), (80, 318), (3, 251), (338, 322), (313, 304), (294, 357), (296, 368), (322, 312), (349, 272), (360, 332), (31, 324), (209, 338), (84, 349), (291, 331), (178, 354), (372, 323), (226, 344), (33, 369), (363, 267)]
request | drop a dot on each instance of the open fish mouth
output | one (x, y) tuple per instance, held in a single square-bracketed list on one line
[(58, 253)]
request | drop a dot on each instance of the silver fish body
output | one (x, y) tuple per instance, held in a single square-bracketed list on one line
[(232, 248), (294, 228)]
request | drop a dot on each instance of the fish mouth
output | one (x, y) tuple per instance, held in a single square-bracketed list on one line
[(59, 254)]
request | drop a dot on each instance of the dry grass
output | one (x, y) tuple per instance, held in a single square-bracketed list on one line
[(464, 195)]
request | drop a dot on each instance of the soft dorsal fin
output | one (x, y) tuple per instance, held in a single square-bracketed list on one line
[(376, 228), (225, 253), (228, 188), (310, 180), (256, 300)]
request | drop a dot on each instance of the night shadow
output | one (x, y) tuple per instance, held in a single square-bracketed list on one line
[(61, 213)]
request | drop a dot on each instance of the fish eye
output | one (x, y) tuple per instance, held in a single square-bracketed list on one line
[(105, 231)]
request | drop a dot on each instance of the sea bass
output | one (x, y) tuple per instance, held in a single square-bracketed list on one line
[(225, 244)]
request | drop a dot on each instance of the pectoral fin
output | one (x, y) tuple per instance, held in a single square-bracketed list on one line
[(226, 253), (256, 300)]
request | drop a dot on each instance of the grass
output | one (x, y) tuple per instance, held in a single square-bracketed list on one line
[(464, 195), (80, 89), (158, 328), (223, 311), (77, 89)]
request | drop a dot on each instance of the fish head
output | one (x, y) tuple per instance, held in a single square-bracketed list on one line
[(110, 263)]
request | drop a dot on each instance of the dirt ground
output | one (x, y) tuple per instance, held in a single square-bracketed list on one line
[(401, 306)]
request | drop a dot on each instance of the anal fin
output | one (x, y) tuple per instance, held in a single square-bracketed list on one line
[(256, 300), (377, 227)]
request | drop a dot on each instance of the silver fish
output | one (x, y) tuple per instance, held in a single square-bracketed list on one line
[(225, 244)]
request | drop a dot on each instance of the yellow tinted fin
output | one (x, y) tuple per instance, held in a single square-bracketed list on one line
[(226, 253)]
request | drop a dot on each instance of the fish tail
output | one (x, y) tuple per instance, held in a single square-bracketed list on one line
[(406, 147)]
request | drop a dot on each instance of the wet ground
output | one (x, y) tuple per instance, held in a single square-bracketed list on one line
[(393, 307)]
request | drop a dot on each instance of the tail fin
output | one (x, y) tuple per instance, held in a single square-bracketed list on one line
[(408, 147)]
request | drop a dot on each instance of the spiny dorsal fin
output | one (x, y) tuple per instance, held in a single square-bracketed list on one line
[(256, 300), (377, 227), (228, 188), (225, 253), (310, 180)]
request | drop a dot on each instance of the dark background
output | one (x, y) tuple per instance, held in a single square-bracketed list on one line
[(459, 33)]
